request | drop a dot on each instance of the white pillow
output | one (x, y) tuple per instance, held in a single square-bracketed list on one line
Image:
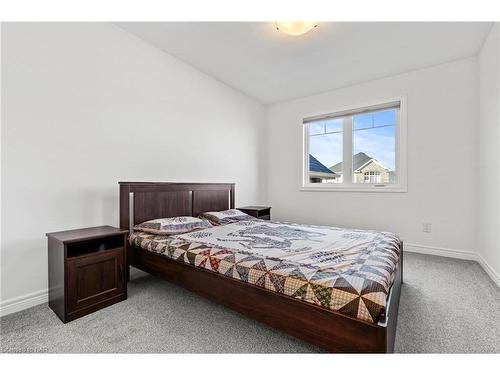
[(225, 217), (173, 225)]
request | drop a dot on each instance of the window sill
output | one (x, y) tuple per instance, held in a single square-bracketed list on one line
[(355, 189)]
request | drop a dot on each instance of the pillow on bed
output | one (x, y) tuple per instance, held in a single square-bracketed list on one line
[(225, 217), (173, 225)]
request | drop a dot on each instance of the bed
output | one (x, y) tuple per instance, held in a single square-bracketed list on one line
[(282, 274)]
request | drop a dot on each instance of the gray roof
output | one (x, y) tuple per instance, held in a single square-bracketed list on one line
[(316, 166), (358, 161)]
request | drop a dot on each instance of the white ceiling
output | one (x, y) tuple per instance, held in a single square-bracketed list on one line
[(269, 66)]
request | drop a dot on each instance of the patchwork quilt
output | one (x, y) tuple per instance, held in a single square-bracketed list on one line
[(346, 270)]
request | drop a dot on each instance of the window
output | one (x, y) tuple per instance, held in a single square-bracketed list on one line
[(362, 149)]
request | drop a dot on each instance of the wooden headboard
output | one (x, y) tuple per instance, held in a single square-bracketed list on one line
[(142, 201)]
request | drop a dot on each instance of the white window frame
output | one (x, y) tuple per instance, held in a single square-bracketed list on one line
[(347, 184)]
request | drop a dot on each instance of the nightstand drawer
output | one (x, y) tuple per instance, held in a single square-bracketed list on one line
[(94, 279)]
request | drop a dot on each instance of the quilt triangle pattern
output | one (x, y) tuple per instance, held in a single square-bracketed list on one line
[(323, 294), (351, 308), (260, 265), (278, 282), (301, 292), (229, 271), (261, 281), (296, 273), (342, 284), (230, 258), (370, 286), (242, 272), (191, 258), (373, 308), (363, 310), (214, 263)]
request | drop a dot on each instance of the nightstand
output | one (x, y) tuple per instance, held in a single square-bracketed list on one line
[(260, 212), (86, 270)]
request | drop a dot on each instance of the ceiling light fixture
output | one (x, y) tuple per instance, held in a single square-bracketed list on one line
[(296, 27)]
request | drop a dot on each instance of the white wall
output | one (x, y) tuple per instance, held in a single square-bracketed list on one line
[(87, 105), (442, 160), (489, 154)]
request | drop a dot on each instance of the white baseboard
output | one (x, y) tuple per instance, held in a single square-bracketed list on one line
[(440, 251), (16, 304), (23, 302), (457, 254), (489, 270)]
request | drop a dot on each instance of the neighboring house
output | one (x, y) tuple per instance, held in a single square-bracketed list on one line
[(367, 170), (318, 172)]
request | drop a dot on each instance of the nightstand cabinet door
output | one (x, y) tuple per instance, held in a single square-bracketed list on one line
[(95, 278)]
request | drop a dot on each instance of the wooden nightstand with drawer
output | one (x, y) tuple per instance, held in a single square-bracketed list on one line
[(260, 212), (86, 270)]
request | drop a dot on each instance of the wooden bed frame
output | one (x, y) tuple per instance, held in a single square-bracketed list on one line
[(327, 329)]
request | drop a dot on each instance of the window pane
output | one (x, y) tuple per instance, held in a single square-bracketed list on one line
[(374, 147), (385, 117), (363, 121), (325, 151), (316, 128)]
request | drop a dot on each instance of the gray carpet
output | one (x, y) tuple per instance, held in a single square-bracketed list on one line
[(447, 306)]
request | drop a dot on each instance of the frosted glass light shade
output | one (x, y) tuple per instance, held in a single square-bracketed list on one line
[(295, 27)]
